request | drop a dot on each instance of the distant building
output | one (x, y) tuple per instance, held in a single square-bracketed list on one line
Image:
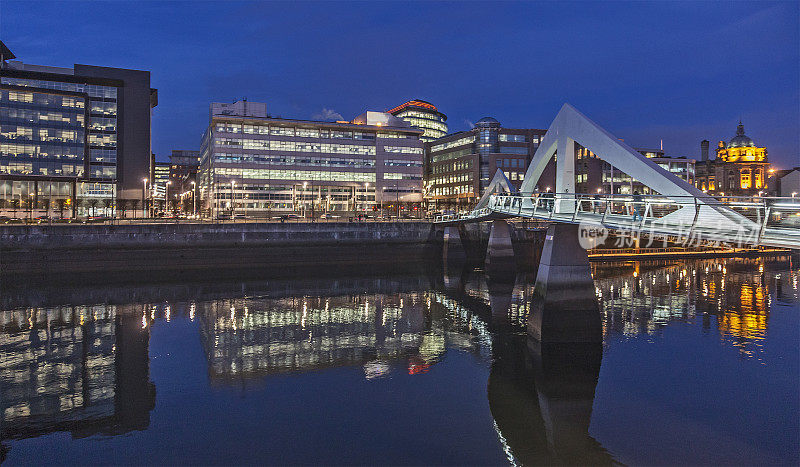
[(183, 168), (787, 183), (257, 165), (159, 185), (460, 166), (740, 169), (73, 140), (423, 115), (594, 175)]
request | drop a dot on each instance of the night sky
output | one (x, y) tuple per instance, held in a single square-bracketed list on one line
[(677, 71)]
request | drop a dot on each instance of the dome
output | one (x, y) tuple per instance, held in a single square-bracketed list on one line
[(741, 140), (487, 122)]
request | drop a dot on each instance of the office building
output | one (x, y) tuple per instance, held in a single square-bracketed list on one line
[(160, 184), (183, 168), (73, 141), (256, 165), (460, 166), (423, 115), (740, 168), (594, 175)]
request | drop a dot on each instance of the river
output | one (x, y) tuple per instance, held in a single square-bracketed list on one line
[(700, 363)]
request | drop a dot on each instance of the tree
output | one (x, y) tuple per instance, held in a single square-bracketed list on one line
[(61, 203), (92, 203), (108, 203), (122, 205), (134, 206), (15, 206), (46, 205)]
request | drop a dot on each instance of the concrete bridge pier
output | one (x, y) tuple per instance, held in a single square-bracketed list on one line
[(453, 250), (500, 263), (564, 304)]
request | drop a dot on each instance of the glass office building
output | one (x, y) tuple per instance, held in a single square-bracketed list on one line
[(459, 166), (423, 115), (62, 150), (255, 165)]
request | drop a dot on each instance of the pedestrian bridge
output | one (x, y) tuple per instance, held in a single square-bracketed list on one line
[(772, 222), (679, 211), (565, 306)]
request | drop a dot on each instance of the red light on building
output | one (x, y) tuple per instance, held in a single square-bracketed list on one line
[(414, 103)]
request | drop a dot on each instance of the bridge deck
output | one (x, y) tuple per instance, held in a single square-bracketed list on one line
[(682, 220)]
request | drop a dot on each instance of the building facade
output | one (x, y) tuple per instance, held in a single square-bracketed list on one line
[(740, 168), (423, 115), (256, 165), (73, 141), (594, 175), (459, 166)]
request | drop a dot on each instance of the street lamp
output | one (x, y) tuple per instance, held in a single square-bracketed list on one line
[(305, 184), (366, 189), (194, 199), (144, 201), (233, 182), (166, 195)]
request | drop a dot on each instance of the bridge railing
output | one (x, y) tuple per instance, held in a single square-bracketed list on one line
[(759, 216)]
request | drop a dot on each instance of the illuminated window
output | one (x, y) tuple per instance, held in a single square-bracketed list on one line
[(745, 179)]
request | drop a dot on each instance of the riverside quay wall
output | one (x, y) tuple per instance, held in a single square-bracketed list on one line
[(55, 251), (59, 254)]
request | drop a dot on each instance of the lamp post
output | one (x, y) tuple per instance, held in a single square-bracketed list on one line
[(194, 198), (305, 184), (166, 195), (144, 201), (233, 208), (30, 207), (366, 189)]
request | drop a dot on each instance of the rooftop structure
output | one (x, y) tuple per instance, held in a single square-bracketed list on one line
[(423, 115)]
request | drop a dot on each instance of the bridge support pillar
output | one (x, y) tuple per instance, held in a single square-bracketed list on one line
[(500, 264), (453, 250), (564, 303)]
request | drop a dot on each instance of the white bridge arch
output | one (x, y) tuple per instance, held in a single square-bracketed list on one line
[(679, 210)]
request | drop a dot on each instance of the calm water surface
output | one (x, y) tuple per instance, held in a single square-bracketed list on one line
[(700, 364)]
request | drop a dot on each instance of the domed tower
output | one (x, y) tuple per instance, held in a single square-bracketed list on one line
[(741, 148), (741, 167)]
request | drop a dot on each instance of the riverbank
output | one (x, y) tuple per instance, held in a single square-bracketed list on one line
[(167, 249)]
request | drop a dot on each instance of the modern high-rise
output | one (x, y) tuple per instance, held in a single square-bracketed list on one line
[(459, 166), (257, 165), (72, 140), (423, 115)]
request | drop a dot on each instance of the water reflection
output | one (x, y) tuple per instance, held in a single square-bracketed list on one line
[(732, 296), (84, 369)]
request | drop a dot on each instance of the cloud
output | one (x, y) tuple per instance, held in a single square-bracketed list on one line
[(469, 123), (327, 114)]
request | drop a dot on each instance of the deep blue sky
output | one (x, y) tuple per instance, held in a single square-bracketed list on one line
[(681, 71)]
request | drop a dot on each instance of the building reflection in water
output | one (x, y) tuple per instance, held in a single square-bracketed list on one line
[(254, 337), (732, 296), (82, 369)]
